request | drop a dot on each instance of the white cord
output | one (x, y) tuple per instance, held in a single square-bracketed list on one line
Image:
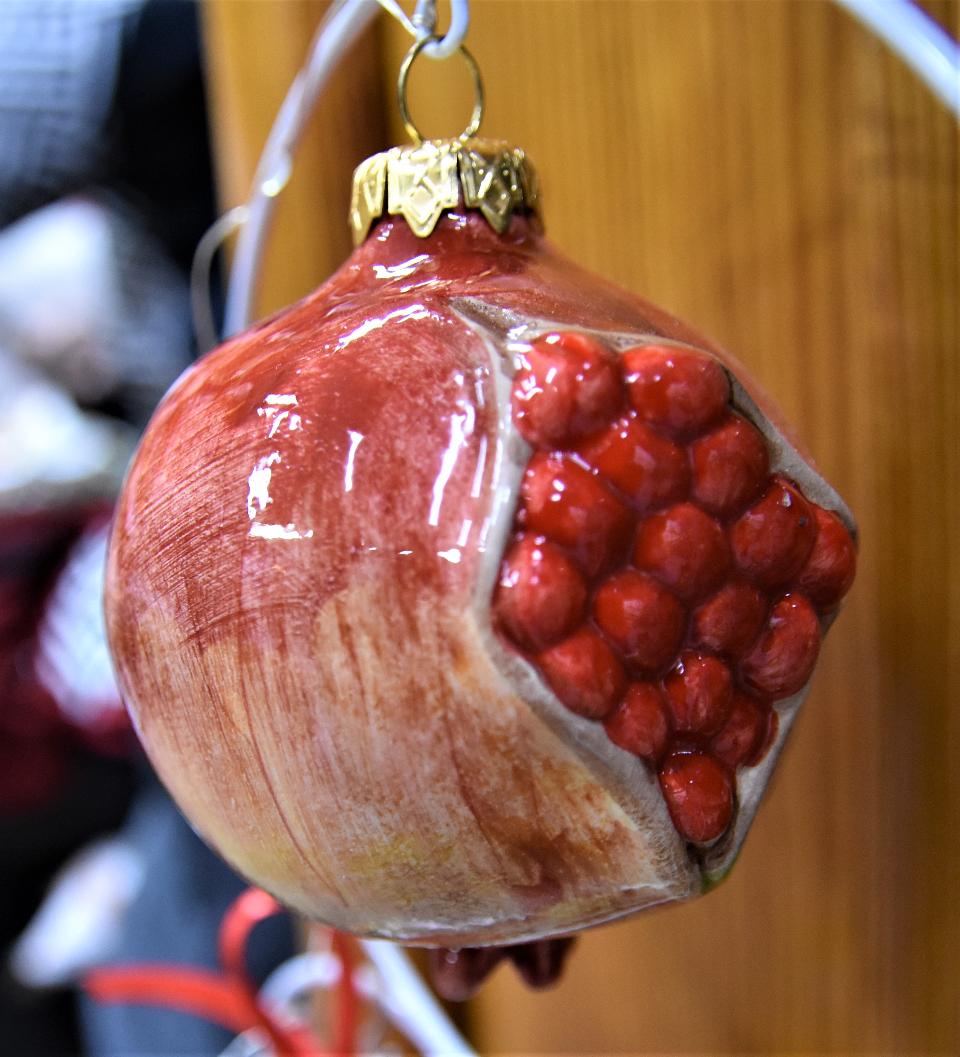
[(411, 1005), (344, 22), (424, 24), (204, 326), (926, 48), (395, 986)]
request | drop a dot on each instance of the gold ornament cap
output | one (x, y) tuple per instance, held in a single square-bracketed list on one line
[(420, 181)]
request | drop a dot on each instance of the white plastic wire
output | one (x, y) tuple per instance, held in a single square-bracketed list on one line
[(411, 1006), (204, 326), (341, 26), (423, 23), (926, 48), (393, 985)]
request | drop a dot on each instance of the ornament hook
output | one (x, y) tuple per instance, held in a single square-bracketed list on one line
[(475, 118)]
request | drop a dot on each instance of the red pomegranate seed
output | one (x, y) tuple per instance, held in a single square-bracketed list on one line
[(772, 540), (700, 693), (740, 736), (647, 468), (729, 466), (567, 385), (730, 620), (541, 594), (640, 724), (781, 661), (832, 564), (684, 549), (640, 617), (570, 506), (676, 390), (584, 673), (699, 793)]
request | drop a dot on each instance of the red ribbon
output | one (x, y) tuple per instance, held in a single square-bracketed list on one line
[(229, 998)]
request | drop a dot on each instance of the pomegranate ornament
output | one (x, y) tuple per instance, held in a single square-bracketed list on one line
[(469, 601)]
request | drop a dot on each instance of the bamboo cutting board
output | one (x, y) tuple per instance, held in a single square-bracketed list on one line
[(794, 195)]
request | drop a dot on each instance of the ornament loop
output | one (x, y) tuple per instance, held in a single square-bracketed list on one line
[(475, 118)]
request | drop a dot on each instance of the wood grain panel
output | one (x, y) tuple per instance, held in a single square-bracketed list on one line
[(770, 172)]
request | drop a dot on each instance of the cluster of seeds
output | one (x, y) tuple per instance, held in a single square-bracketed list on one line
[(660, 577)]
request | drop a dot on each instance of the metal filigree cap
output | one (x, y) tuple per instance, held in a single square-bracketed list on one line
[(420, 181)]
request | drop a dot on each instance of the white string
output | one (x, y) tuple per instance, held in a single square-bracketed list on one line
[(411, 1005), (219, 231), (424, 24), (344, 22), (392, 984), (926, 48)]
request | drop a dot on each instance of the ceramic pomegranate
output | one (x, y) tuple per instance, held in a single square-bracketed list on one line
[(470, 600)]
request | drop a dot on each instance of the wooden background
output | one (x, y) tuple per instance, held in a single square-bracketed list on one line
[(770, 172)]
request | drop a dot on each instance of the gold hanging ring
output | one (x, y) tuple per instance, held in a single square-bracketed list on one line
[(475, 118)]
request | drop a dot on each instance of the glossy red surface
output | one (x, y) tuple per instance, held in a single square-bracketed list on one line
[(541, 594), (730, 466), (730, 620), (641, 618), (584, 673), (828, 573), (772, 540), (782, 659), (740, 738), (647, 468), (301, 574), (563, 501), (700, 692)]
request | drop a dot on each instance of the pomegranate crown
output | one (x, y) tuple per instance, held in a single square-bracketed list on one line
[(421, 180)]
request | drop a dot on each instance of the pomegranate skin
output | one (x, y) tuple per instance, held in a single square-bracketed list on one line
[(299, 607)]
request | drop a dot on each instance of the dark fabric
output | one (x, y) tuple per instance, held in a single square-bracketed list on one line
[(158, 127), (105, 98), (33, 844), (106, 93), (176, 921), (58, 64)]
